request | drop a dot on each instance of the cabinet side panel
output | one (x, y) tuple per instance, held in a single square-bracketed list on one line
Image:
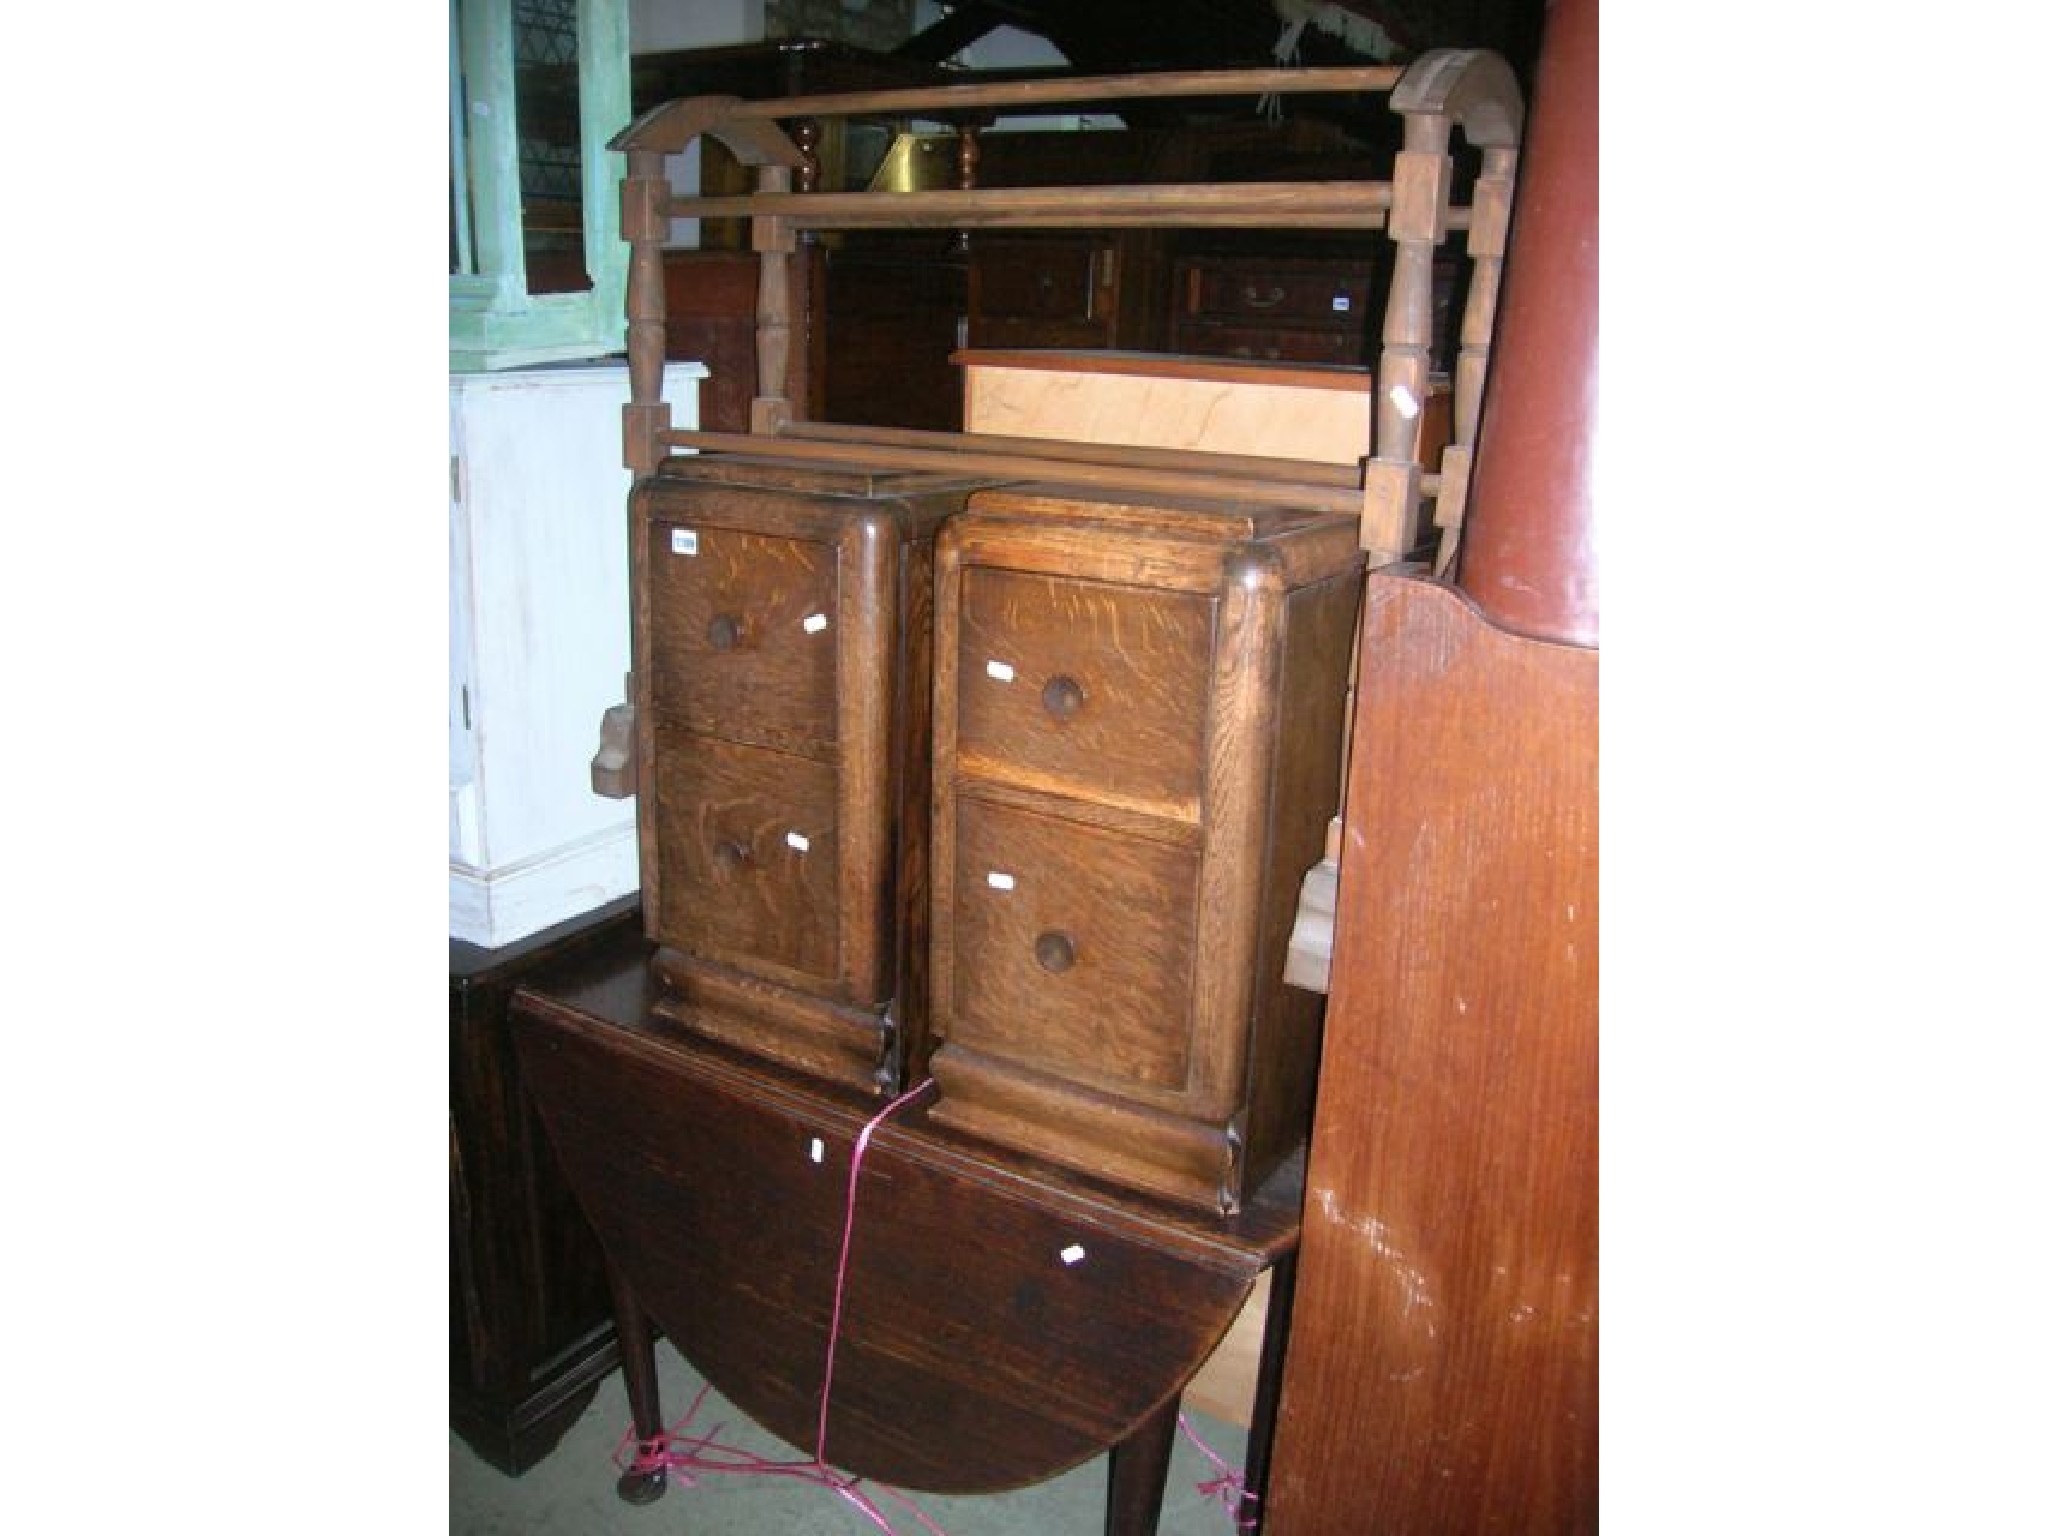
[(1287, 1021)]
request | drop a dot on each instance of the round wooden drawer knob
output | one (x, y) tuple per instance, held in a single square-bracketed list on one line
[(724, 632), (1055, 951), (1063, 698)]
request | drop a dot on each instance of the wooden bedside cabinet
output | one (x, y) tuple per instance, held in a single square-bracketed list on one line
[(1138, 711), (782, 678)]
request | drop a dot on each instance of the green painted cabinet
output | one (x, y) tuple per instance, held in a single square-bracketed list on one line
[(536, 268)]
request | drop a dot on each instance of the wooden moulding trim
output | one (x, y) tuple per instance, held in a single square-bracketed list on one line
[(1153, 1144)]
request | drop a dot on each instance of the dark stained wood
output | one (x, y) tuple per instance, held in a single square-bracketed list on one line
[(638, 1484), (531, 1332), (972, 1355), (891, 318), (1443, 1366), (709, 318), (1137, 1472), (1138, 712)]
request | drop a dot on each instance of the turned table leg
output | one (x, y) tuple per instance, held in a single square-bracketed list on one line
[(643, 1392), (1137, 1473)]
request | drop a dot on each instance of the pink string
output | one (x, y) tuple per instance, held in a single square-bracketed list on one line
[(690, 1457), (1227, 1488), (860, 1152)]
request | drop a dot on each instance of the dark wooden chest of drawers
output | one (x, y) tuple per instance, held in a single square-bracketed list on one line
[(1299, 311), (782, 682), (1138, 708)]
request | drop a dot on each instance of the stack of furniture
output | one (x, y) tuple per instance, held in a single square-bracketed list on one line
[(995, 758)]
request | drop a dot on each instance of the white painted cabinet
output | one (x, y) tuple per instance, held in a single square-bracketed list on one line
[(538, 642)]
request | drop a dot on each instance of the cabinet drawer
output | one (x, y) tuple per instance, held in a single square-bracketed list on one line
[(1074, 947), (1269, 291), (748, 844), (1218, 338), (1084, 687), (742, 637)]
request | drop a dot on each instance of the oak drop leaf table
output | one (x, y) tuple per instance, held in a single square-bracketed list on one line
[(1002, 1321)]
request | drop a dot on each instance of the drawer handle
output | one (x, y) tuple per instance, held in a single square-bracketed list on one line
[(729, 855), (724, 631), (1055, 951), (1063, 697), (1265, 300)]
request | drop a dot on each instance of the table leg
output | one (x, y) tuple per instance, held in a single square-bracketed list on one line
[(1137, 1473), (1258, 1446), (643, 1392)]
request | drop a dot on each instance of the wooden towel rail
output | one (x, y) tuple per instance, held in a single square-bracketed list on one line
[(1468, 90)]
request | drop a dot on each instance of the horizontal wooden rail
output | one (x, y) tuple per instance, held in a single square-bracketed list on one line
[(868, 453), (1299, 204), (1074, 92), (1231, 466)]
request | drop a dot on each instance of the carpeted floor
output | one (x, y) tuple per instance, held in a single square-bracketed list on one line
[(570, 1493)]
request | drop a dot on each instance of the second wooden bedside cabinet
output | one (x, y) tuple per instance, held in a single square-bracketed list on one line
[(1137, 715)]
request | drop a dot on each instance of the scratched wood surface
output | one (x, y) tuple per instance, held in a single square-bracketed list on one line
[(1443, 1366)]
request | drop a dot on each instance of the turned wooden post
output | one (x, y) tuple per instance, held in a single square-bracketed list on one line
[(1392, 524), (643, 220), (773, 242), (1487, 243), (806, 132), (967, 171)]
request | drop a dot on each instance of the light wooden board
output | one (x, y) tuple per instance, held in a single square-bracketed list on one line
[(1320, 414)]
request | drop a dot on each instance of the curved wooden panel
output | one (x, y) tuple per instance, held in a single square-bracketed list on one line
[(974, 1354), (1443, 1369), (1531, 545)]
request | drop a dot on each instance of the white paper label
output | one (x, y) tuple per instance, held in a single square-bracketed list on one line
[(798, 841), (1404, 401), (1001, 881), (682, 541), (817, 1149), (1002, 671), (1341, 304), (1073, 1254), (814, 623)]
